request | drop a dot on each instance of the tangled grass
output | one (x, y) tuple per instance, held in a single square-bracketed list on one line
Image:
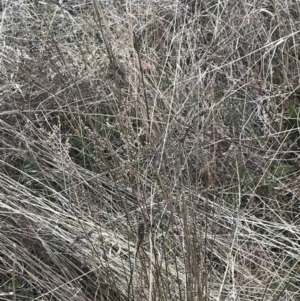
[(149, 150)]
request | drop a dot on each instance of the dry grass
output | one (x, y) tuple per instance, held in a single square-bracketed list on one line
[(181, 116)]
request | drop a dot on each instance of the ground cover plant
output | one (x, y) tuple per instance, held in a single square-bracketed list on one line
[(149, 150)]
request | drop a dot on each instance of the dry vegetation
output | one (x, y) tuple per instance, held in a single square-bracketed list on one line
[(178, 119)]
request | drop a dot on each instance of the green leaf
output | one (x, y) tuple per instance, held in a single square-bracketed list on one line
[(284, 169), (293, 111)]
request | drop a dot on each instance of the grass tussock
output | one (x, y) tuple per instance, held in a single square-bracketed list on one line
[(149, 150)]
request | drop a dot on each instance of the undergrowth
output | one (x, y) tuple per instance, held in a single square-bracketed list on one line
[(149, 150)]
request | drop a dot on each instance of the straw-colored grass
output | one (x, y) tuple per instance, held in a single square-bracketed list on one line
[(149, 150)]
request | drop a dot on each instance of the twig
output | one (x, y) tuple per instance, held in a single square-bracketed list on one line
[(141, 234), (140, 238), (14, 273), (137, 47), (108, 47)]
